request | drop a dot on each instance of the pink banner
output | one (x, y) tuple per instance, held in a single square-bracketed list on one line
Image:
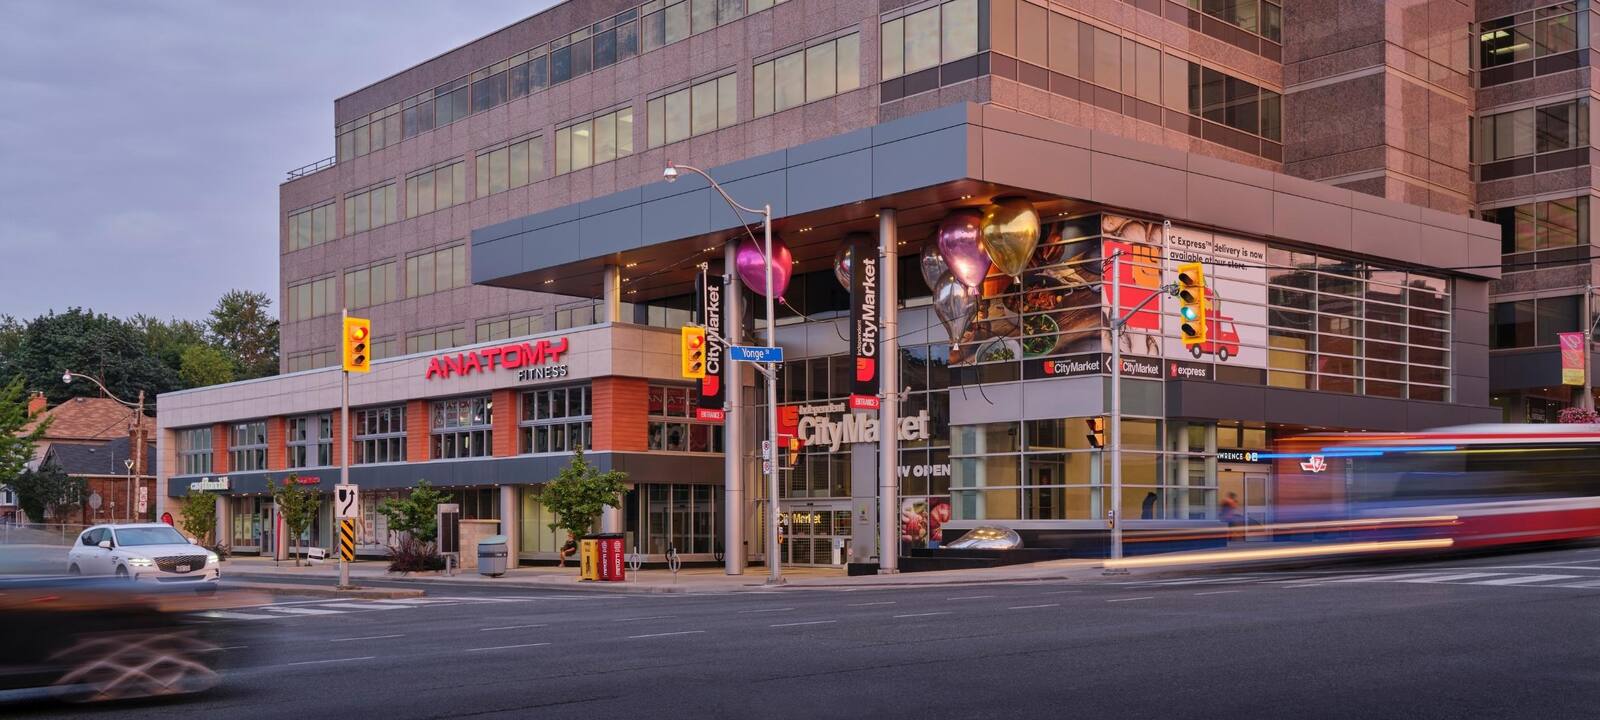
[(1573, 360)]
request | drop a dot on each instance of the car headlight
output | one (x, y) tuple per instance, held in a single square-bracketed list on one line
[(212, 559), (141, 562)]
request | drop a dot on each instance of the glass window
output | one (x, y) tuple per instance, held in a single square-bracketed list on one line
[(892, 58), (921, 40), (556, 420), (462, 427), (960, 29), (821, 73)]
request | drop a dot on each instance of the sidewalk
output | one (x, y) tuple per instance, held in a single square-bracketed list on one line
[(691, 580)]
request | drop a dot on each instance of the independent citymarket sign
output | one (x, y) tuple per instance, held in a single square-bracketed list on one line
[(539, 360)]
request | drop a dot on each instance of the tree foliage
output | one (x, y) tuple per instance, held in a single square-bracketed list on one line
[(198, 516), (202, 365), (95, 344), (243, 326), (298, 504), (417, 513), (580, 492), (48, 493), (16, 447)]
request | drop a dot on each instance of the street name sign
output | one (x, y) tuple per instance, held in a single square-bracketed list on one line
[(755, 353)]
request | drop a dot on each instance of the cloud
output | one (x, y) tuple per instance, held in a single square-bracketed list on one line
[(145, 142)]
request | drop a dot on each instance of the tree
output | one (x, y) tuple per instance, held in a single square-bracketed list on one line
[(203, 365), (243, 326), (198, 516), (48, 492), (416, 514), (298, 504), (16, 446), (112, 350), (580, 492), (168, 339)]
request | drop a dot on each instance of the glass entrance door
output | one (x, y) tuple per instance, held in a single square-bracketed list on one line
[(810, 532), (1255, 506)]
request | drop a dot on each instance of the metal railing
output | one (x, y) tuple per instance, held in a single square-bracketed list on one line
[(317, 166), (39, 533)]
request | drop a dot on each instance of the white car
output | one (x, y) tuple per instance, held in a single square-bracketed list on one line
[(152, 552)]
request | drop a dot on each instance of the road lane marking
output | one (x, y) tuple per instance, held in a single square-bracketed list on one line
[(334, 660), (235, 647), (1219, 592), (1145, 597), (1584, 584), (971, 597), (926, 614), (510, 627), (1030, 607), (648, 617), (360, 606), (666, 634), (1525, 579), (1385, 577), (765, 610), (225, 615), (1061, 592), (303, 611), (1453, 578), (369, 637), (809, 622), (506, 647), (883, 602)]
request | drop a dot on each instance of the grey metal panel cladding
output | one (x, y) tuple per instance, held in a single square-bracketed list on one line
[(520, 470), (497, 231), (1250, 403), (496, 258), (924, 122), (829, 182), (614, 226), (829, 147), (672, 217), (919, 161), (751, 191), (1510, 371)]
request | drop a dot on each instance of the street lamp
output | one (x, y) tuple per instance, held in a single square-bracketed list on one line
[(775, 574), (137, 444)]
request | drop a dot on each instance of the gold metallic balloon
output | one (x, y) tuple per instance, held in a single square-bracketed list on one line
[(1010, 233)]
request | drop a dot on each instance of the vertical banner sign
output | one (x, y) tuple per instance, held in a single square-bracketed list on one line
[(711, 386), (864, 329), (1573, 361)]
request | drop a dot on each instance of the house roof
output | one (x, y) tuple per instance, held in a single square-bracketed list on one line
[(107, 458), (86, 418)]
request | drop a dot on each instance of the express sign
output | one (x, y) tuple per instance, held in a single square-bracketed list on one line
[(536, 360)]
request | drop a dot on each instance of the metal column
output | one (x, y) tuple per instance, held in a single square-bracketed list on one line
[(733, 503), (889, 409), (611, 294)]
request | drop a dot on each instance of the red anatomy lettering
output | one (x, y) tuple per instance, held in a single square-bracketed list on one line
[(471, 364), (489, 355), (511, 357), (452, 366), (434, 369), (555, 350)]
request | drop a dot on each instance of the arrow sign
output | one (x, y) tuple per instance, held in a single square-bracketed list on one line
[(346, 502), (755, 353)]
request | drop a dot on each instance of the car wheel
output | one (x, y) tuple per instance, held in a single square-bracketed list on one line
[(132, 665), (1195, 351), (1222, 354), (74, 571), (122, 572)]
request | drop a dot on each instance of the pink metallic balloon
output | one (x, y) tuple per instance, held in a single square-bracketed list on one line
[(752, 266), (958, 243)]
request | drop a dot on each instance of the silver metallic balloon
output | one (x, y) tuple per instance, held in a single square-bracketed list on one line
[(841, 262), (955, 304), (959, 246), (933, 264), (1010, 233)]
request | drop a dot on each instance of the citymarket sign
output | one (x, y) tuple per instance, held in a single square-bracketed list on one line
[(830, 425), (204, 484), (532, 360)]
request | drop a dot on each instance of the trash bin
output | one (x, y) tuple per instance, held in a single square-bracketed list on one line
[(492, 556)]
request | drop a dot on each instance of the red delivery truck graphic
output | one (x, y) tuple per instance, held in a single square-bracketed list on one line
[(1222, 338)]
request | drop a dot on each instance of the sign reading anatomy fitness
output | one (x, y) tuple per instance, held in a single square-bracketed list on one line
[(537, 360), (830, 425)]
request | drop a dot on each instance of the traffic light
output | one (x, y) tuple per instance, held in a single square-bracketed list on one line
[(794, 451), (692, 349), (357, 334), (1192, 303), (1097, 432)]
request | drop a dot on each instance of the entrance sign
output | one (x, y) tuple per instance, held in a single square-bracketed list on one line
[(864, 328), (205, 483), (755, 353), (346, 502)]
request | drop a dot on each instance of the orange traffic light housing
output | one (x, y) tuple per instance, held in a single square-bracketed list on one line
[(692, 351), (1192, 304), (794, 451), (1097, 432), (356, 344)]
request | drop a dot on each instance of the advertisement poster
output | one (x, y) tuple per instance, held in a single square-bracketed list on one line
[(922, 522), (1139, 278), (1053, 310), (864, 326), (1236, 295), (1572, 358)]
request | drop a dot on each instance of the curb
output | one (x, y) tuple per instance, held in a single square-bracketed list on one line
[(366, 593)]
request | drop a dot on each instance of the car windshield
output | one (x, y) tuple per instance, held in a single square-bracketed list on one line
[(149, 536)]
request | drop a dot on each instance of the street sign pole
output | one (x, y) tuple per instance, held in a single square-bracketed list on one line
[(1116, 408), (344, 444)]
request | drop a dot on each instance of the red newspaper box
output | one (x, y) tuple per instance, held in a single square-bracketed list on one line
[(613, 560)]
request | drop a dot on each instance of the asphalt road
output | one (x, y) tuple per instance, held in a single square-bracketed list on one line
[(1506, 636)]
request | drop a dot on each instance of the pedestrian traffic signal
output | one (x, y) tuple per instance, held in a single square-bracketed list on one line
[(1097, 432), (357, 334), (692, 349), (1192, 304)]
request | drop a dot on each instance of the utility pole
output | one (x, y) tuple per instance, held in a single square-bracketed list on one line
[(1586, 401), (1116, 406), (344, 438)]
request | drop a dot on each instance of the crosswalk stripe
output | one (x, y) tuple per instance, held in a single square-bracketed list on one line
[(1526, 579), (225, 615), (1453, 578), (412, 601), (360, 606), (302, 611), (1385, 577)]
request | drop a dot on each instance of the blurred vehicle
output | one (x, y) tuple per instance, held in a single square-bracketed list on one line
[(1478, 485), (95, 639), (152, 552), (987, 537)]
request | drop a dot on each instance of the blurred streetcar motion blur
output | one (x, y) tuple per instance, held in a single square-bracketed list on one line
[(1478, 485)]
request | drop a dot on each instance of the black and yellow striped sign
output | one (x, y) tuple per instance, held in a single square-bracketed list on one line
[(347, 539)]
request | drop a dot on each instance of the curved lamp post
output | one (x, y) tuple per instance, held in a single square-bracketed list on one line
[(137, 445)]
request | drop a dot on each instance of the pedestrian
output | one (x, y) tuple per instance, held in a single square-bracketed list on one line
[(1229, 512), (1147, 511), (569, 549)]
